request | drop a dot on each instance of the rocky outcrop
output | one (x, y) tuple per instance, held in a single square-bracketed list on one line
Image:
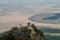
[(29, 32)]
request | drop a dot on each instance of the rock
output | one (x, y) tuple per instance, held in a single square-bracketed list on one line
[(24, 33)]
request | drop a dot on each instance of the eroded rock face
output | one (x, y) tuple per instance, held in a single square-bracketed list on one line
[(24, 33)]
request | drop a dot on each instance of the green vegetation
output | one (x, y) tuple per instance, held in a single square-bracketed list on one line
[(23, 33)]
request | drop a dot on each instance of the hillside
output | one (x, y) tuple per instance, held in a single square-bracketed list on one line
[(29, 32)]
